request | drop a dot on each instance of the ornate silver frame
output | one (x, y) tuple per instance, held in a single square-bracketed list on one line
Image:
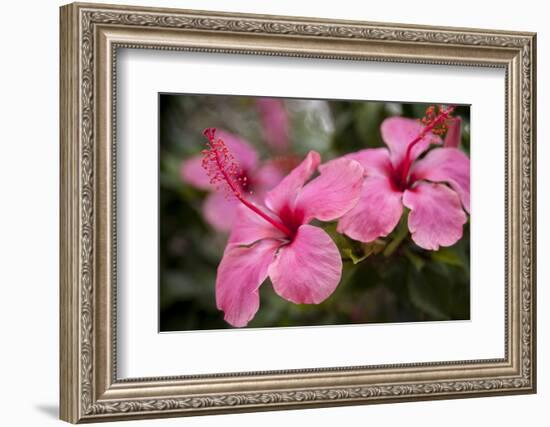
[(90, 36)]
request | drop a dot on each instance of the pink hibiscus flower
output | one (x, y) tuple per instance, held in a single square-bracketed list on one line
[(436, 188), (275, 239), (256, 179), (275, 123)]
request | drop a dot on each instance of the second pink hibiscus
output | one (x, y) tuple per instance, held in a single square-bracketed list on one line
[(256, 179), (436, 188)]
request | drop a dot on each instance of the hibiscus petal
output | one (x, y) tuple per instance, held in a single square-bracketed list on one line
[(399, 132), (307, 270), (219, 210), (240, 273), (266, 177), (377, 212), (454, 133), (249, 227), (333, 193), (274, 122), (436, 216), (193, 173), (448, 165), (284, 194), (244, 153), (375, 161)]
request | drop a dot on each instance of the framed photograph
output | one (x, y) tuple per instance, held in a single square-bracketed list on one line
[(266, 212)]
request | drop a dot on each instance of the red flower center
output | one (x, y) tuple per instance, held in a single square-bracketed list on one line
[(244, 181), (224, 171), (293, 218)]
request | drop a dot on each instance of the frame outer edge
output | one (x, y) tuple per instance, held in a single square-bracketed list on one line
[(68, 226), (534, 270), (77, 226)]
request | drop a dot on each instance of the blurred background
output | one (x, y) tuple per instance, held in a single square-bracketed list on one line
[(391, 280)]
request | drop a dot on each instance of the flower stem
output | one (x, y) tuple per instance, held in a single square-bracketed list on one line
[(400, 234)]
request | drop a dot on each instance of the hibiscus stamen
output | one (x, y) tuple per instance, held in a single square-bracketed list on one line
[(435, 123), (224, 171)]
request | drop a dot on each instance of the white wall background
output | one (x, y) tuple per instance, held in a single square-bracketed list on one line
[(29, 170)]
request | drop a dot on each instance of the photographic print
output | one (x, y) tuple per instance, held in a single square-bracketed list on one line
[(201, 209), (278, 212)]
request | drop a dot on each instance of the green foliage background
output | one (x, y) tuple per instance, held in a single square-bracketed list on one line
[(391, 280)]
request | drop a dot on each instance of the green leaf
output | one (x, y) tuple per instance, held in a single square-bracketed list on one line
[(367, 119), (398, 235), (341, 240), (374, 247), (358, 252), (355, 258), (415, 259), (352, 249), (431, 291), (447, 256)]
